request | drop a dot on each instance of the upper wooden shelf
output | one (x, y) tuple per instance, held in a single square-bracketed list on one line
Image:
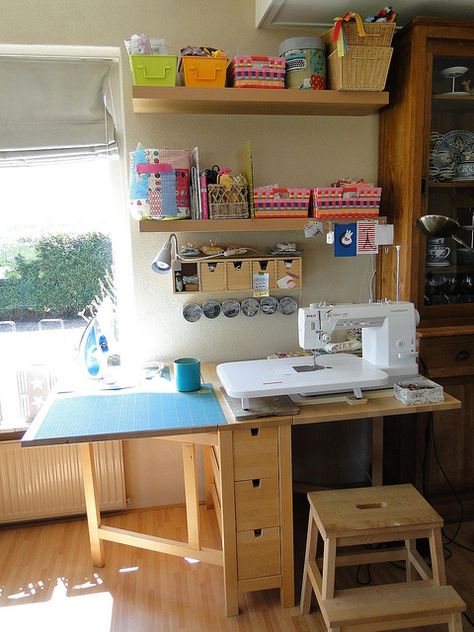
[(220, 225), (234, 225), (182, 100)]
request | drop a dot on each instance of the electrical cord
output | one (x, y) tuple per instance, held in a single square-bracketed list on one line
[(430, 433)]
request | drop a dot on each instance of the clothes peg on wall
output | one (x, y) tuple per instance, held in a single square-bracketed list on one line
[(330, 233)]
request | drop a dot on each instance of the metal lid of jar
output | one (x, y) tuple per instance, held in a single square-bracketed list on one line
[(294, 43)]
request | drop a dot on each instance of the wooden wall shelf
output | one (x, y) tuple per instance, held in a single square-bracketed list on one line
[(182, 100), (220, 225), (234, 225)]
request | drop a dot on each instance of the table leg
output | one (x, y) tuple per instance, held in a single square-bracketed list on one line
[(377, 451), (208, 476), (92, 502), (191, 492), (287, 591), (229, 546)]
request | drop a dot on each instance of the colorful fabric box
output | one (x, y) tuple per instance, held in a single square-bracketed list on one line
[(346, 202), (273, 202), (159, 183), (250, 71)]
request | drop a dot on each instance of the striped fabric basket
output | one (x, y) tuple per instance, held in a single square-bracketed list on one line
[(346, 202), (273, 202), (247, 71)]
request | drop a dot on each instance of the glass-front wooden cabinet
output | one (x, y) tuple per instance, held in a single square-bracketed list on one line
[(426, 167)]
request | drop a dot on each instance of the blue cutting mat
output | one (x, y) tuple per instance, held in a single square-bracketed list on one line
[(95, 417)]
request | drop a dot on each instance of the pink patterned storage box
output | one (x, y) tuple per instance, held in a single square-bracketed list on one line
[(250, 71), (273, 202), (346, 202)]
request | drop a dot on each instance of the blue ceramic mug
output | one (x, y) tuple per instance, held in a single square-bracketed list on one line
[(187, 374)]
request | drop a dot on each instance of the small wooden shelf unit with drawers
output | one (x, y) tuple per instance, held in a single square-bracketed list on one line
[(227, 275)]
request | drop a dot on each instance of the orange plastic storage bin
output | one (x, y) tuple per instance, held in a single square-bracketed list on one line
[(202, 72)]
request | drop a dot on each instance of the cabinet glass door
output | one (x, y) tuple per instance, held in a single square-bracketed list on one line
[(449, 264)]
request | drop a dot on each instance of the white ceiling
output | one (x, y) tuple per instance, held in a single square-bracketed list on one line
[(286, 13)]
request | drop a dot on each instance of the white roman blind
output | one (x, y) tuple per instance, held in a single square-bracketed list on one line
[(55, 107)]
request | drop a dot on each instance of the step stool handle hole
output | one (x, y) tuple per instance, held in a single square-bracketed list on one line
[(381, 505)]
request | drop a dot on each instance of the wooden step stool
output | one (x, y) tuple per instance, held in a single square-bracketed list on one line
[(371, 515)]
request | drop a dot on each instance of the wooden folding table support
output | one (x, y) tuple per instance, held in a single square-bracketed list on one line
[(192, 548)]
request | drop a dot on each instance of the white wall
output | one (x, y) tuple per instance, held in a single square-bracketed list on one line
[(291, 151)]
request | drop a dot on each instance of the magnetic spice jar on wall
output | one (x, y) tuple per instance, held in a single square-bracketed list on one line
[(305, 59)]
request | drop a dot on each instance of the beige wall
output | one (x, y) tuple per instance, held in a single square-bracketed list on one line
[(292, 151)]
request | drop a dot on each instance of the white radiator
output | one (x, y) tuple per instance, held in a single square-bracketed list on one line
[(46, 481)]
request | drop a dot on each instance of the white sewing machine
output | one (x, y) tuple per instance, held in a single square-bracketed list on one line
[(388, 354)]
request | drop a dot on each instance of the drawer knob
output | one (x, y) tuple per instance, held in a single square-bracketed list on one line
[(258, 533), (256, 482), (254, 432), (462, 355)]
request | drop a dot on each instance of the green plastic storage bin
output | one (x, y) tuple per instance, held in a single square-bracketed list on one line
[(154, 70)]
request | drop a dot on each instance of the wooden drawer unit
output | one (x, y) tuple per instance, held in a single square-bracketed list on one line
[(258, 553), (257, 503), (289, 267), (447, 356), (238, 275), (255, 453), (268, 266), (212, 276)]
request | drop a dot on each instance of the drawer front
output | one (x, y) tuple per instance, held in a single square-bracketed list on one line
[(268, 266), (255, 453), (212, 276), (238, 275), (448, 356), (289, 268), (257, 503), (258, 553)]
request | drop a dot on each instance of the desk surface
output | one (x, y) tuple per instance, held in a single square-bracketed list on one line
[(125, 414)]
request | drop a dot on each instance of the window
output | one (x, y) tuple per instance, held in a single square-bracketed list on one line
[(62, 226)]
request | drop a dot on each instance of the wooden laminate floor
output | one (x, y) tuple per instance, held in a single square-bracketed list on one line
[(47, 582)]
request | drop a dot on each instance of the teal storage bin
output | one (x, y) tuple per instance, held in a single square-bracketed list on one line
[(154, 70)]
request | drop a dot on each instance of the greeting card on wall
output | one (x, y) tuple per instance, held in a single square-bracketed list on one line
[(345, 240), (366, 244)]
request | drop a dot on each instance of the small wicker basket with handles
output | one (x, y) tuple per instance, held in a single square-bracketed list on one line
[(228, 203)]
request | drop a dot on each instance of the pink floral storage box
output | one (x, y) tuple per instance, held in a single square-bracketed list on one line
[(346, 202), (276, 202), (250, 71)]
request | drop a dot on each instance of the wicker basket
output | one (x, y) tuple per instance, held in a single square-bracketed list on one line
[(376, 34), (227, 203), (361, 68)]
